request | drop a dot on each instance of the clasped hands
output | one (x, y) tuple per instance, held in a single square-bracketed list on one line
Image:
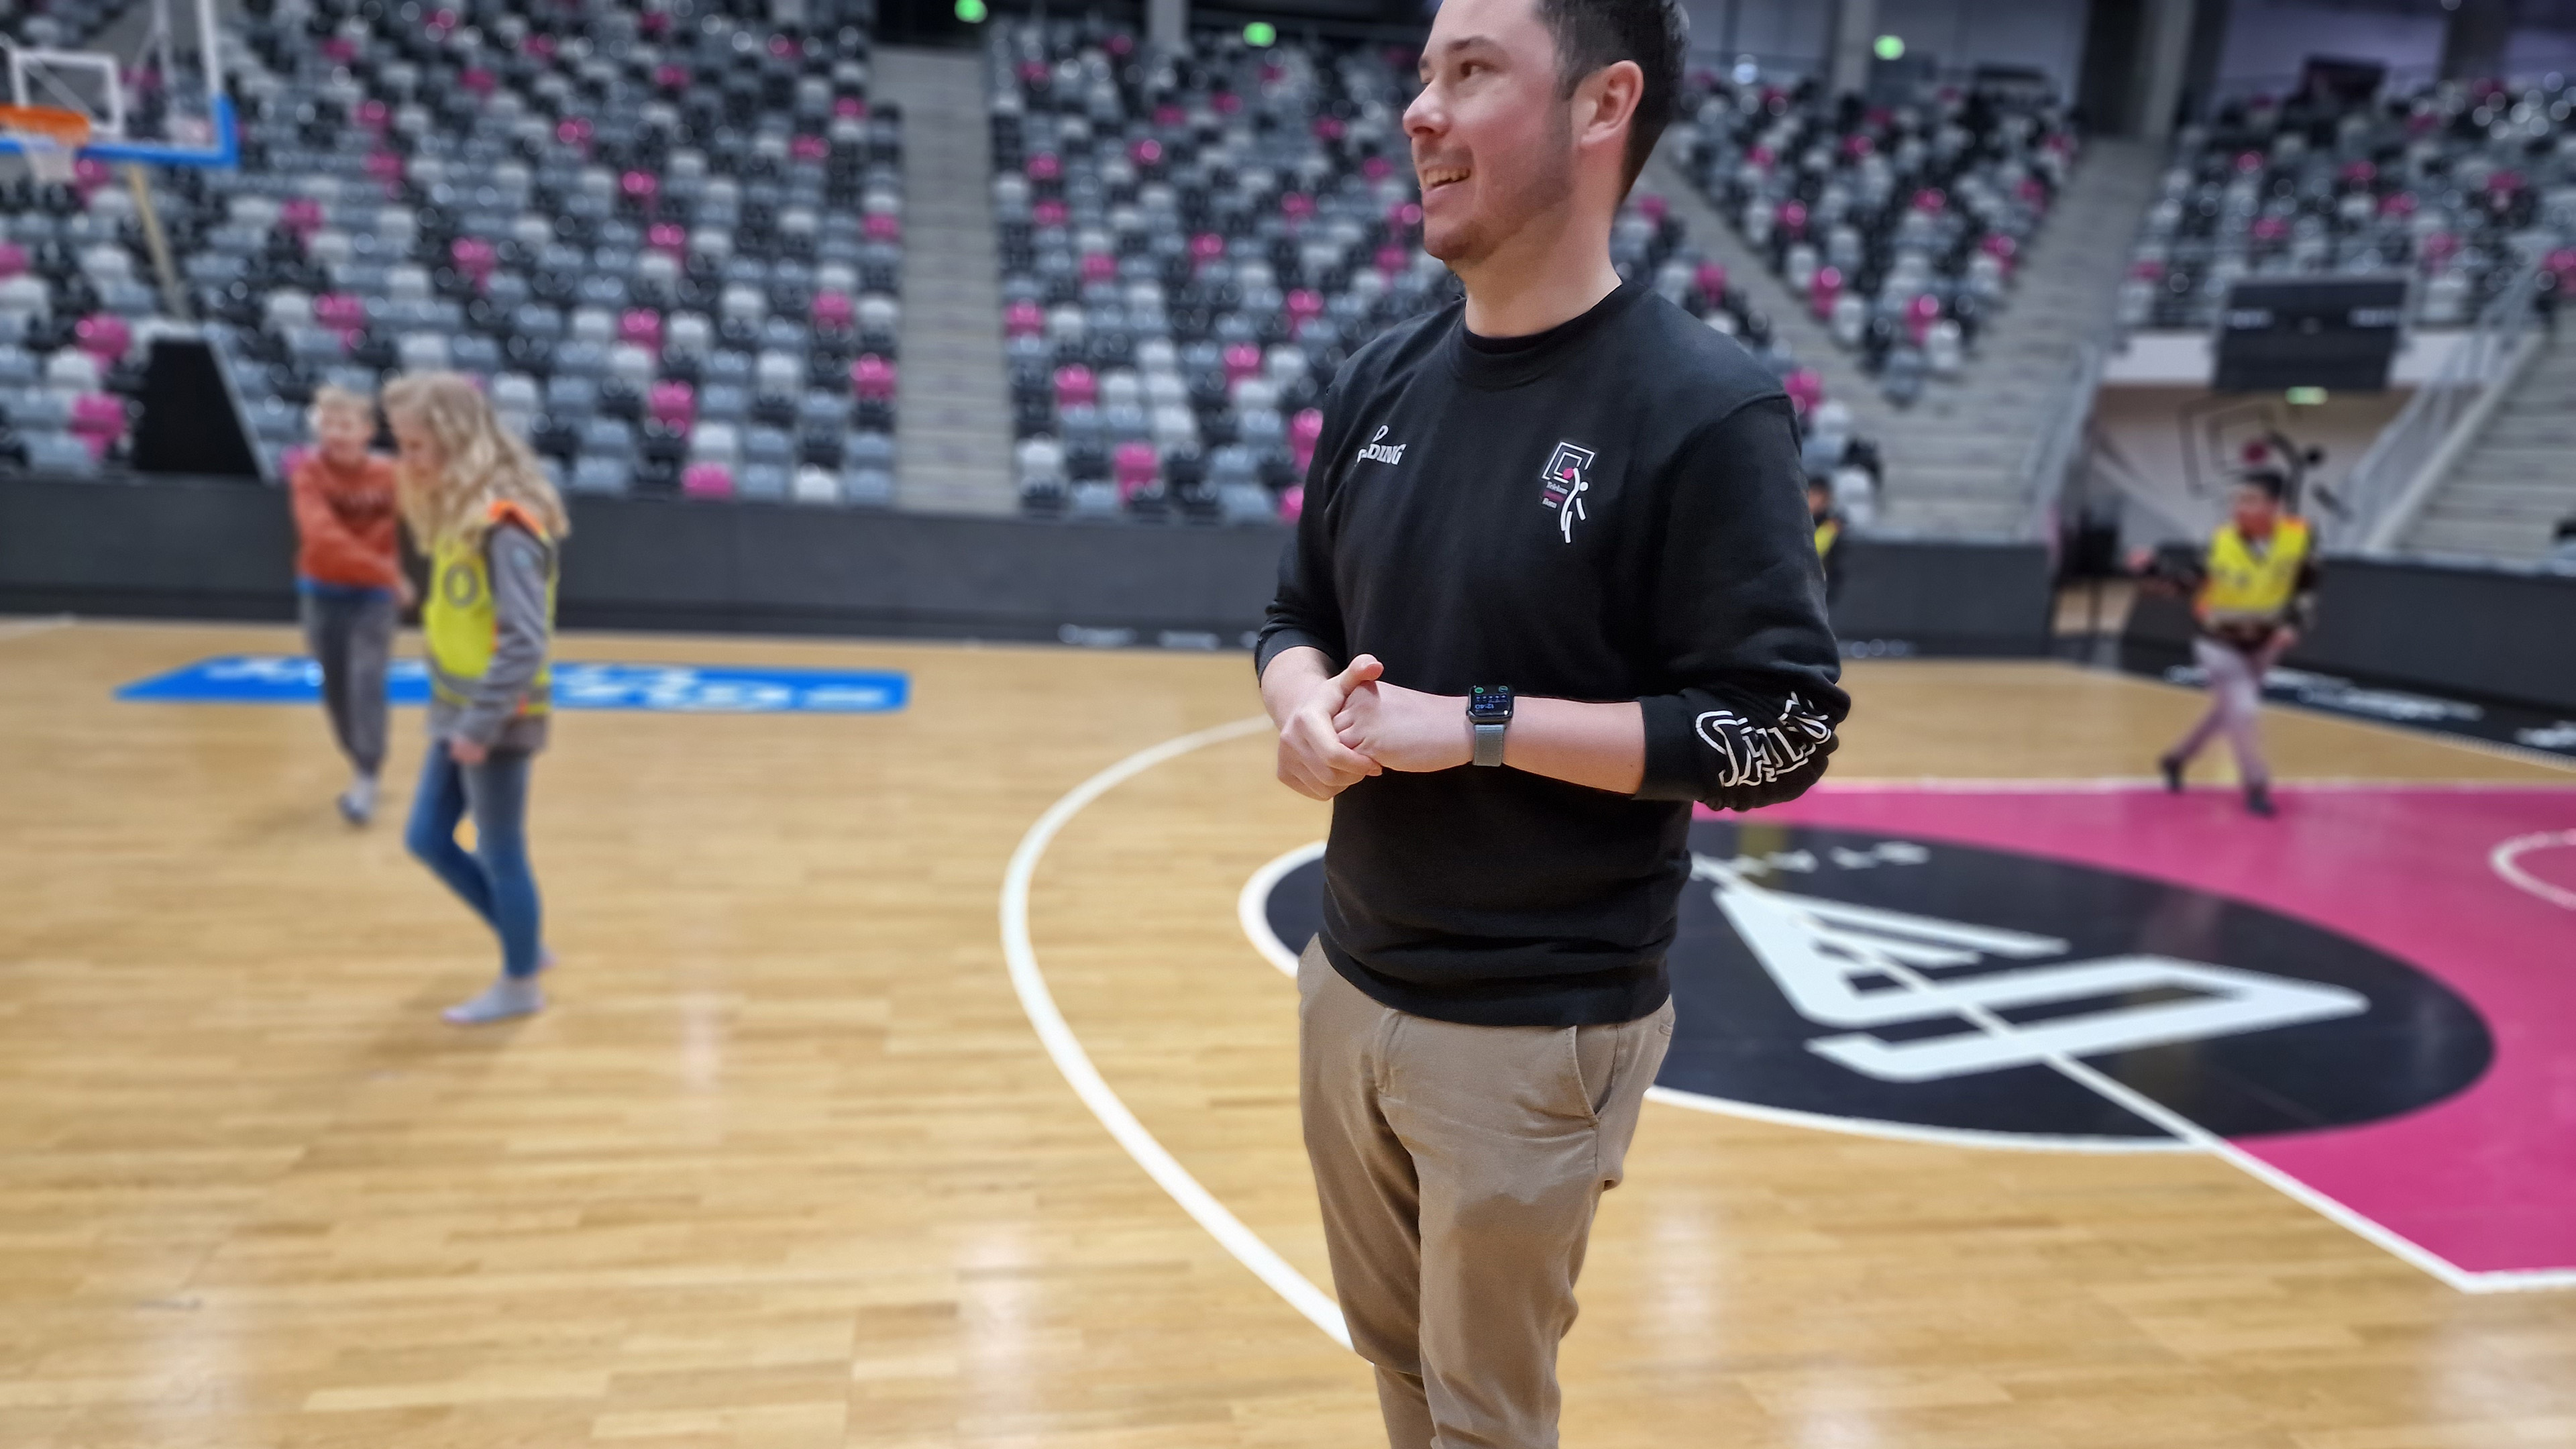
[(1354, 725)]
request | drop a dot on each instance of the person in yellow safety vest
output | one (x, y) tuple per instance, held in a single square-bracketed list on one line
[(1829, 531), (2252, 593), (482, 509)]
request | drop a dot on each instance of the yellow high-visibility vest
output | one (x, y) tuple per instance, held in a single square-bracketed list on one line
[(1827, 534), (460, 623), (2244, 585)]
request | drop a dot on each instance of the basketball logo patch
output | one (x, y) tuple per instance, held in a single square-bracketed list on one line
[(1567, 476)]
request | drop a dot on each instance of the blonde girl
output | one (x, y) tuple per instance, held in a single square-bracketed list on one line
[(491, 523)]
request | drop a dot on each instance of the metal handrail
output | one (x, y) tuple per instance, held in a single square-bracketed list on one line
[(2050, 458), (2384, 488)]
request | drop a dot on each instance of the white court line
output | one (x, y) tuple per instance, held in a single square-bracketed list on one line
[(1030, 982), (2143, 785), (2506, 861), (1251, 908), (23, 628)]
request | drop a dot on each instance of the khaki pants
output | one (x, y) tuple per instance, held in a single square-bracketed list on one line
[(1458, 1168), (2235, 706)]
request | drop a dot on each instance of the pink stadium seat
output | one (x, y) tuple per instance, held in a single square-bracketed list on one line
[(1711, 277), (809, 148), (641, 187), (881, 227), (1824, 291), (1292, 503), (1920, 314), (707, 480), (1805, 389), (667, 236), (1305, 430), (673, 404), (1075, 386), (640, 327), (1136, 467), (98, 420), (473, 256), (340, 310), (104, 336), (1242, 360), (1023, 319), (1096, 266), (873, 378), (302, 216), (834, 311)]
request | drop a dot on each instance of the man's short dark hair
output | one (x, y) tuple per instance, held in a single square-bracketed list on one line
[(1593, 33), (2566, 529), (2273, 485)]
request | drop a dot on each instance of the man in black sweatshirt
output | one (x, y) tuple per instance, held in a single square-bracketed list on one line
[(1555, 580)]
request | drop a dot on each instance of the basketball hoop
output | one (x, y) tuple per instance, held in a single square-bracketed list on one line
[(49, 137)]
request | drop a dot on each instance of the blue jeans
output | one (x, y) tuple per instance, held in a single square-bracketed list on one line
[(495, 879)]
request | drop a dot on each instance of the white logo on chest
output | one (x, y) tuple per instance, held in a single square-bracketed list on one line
[(1377, 450), (1568, 477)]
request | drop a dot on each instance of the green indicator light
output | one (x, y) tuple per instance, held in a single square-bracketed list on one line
[(2305, 397), (1888, 47), (1261, 34), (973, 12)]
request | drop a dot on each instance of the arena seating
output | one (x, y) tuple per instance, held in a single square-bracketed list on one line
[(672, 248), (1899, 225), (1190, 249), (2460, 184)]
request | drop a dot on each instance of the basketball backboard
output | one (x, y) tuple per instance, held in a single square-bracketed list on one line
[(151, 83)]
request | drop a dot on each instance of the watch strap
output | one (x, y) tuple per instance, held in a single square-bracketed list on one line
[(1489, 741)]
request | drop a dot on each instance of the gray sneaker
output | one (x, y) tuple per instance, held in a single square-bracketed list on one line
[(502, 1000)]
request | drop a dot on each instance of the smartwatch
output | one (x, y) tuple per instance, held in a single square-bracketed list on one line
[(1489, 713)]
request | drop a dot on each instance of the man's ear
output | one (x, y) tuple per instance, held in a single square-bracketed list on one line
[(1606, 101)]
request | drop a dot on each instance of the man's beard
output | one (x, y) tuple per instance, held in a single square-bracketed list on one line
[(1546, 189)]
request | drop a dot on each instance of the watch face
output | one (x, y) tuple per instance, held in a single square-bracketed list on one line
[(1489, 704)]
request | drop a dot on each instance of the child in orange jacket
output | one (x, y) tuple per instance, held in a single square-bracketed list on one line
[(349, 580)]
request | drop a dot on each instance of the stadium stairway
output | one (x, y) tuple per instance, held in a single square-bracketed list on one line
[(1954, 464), (1791, 323), (953, 429), (2504, 497), (1954, 458)]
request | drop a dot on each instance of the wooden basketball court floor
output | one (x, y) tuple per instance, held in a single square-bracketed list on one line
[(787, 1164)]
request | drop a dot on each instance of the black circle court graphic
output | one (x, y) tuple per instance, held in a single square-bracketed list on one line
[(2245, 1021)]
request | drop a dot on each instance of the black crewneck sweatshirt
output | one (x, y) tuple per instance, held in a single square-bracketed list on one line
[(1609, 510)]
